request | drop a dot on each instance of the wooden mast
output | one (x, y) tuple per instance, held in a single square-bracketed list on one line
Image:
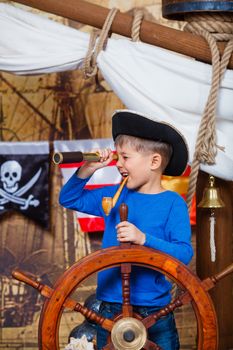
[(151, 33), (222, 294)]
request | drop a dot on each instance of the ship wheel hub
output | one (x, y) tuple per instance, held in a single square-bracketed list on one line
[(128, 333)]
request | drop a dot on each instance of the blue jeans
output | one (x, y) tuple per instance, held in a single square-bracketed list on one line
[(163, 332)]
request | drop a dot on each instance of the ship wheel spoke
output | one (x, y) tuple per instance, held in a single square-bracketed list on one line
[(127, 309), (182, 299), (69, 303), (105, 323), (149, 345), (109, 346)]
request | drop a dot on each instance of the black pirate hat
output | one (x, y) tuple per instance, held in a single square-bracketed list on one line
[(132, 123)]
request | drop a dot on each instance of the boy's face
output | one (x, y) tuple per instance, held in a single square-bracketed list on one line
[(136, 165)]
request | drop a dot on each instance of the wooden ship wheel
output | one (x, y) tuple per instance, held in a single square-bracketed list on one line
[(128, 330)]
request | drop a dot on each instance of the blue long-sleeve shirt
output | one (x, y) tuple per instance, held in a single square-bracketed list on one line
[(164, 219)]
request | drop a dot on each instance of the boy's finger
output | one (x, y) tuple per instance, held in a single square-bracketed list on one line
[(122, 224)]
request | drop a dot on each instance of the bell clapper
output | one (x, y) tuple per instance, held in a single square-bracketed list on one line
[(212, 236)]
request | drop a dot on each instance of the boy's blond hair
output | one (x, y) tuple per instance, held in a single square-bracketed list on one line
[(145, 145)]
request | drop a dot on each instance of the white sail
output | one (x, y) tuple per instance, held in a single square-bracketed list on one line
[(155, 81)]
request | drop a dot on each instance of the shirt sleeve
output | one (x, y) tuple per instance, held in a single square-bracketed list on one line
[(74, 196), (178, 234)]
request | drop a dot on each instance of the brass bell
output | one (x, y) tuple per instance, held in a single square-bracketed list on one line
[(211, 197)]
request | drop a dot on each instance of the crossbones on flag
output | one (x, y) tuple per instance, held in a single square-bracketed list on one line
[(109, 176), (24, 179)]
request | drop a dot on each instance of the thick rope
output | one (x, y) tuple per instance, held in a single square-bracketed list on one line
[(206, 143), (219, 25), (138, 15), (89, 66)]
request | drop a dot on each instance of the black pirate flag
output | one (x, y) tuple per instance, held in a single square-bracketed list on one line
[(24, 179)]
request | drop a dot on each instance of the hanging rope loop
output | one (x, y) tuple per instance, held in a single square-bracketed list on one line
[(89, 67), (138, 15), (212, 28)]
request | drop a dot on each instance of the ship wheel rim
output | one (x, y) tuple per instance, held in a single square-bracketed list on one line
[(114, 257)]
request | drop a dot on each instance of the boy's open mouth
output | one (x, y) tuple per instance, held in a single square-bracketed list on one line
[(124, 174)]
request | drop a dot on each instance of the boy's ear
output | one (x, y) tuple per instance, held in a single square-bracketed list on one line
[(156, 161)]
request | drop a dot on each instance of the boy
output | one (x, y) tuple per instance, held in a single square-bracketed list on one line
[(156, 218)]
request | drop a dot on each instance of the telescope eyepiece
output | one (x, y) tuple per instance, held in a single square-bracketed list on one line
[(57, 158)]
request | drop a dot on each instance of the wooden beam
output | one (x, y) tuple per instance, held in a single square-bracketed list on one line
[(151, 33)]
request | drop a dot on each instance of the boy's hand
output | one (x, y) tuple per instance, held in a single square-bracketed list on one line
[(88, 168), (127, 232)]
